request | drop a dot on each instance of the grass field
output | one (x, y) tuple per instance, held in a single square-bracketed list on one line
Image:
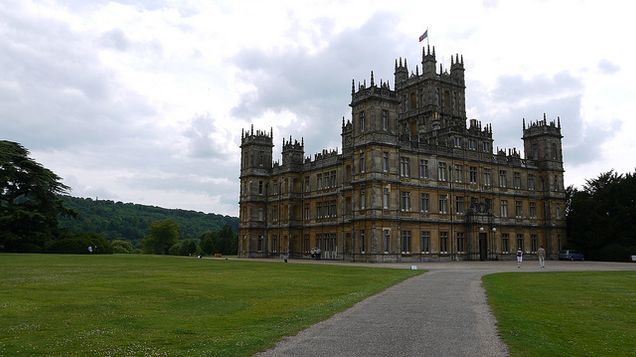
[(150, 305), (565, 314)]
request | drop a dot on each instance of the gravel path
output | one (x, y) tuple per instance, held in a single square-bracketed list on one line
[(440, 313)]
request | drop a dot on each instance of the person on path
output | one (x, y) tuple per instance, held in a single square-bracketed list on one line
[(519, 257), (541, 254)]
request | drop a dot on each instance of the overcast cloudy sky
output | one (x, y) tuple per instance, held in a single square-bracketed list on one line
[(144, 101)]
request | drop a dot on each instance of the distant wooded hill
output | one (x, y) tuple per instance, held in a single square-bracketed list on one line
[(130, 221)]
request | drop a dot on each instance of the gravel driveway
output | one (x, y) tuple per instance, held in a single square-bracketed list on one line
[(440, 313)]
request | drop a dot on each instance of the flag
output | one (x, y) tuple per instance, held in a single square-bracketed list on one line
[(424, 35)]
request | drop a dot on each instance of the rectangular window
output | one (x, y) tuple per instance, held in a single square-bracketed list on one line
[(457, 142), (459, 204), (485, 147), (487, 177), (472, 144), (423, 202), (443, 242), (533, 210), (404, 167), (362, 121), (531, 184), (441, 172), (534, 242), (363, 199), (505, 243), (306, 243), (385, 120), (307, 187), (520, 242), (425, 241), (387, 240), (443, 204), (459, 173), (472, 174), (406, 242), (504, 208), (361, 164), (274, 243), (362, 242), (516, 180), (558, 212), (503, 180), (319, 181), (460, 242), (385, 198), (405, 204), (423, 168), (306, 212), (518, 209), (385, 161)]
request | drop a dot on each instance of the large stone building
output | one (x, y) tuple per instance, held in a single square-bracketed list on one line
[(413, 182)]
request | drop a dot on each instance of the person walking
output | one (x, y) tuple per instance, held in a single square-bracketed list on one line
[(541, 254), (519, 257)]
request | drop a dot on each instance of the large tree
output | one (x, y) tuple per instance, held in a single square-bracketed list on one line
[(602, 216), (162, 235), (29, 201)]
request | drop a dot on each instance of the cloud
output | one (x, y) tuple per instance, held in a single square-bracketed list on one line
[(56, 92), (315, 86), (115, 39), (607, 67), (514, 97)]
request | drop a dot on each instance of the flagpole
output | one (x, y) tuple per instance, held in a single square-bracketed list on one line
[(427, 36)]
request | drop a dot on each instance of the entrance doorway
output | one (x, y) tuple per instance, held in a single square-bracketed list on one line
[(483, 246)]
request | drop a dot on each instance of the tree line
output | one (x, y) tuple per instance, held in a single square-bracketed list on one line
[(601, 217), (131, 221), (37, 215)]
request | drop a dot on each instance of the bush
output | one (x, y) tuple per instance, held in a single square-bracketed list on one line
[(175, 249), (79, 244), (184, 247), (614, 252), (122, 246)]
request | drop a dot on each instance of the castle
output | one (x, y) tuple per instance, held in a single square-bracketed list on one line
[(413, 182)]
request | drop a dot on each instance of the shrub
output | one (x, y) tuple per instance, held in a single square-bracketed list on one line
[(184, 247), (80, 243), (122, 246), (614, 252)]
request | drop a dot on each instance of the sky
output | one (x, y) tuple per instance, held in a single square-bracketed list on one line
[(144, 101)]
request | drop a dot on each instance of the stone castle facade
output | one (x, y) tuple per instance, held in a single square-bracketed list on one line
[(413, 182)]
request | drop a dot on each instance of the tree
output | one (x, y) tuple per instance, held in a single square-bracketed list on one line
[(29, 201), (162, 235), (227, 242), (602, 217), (208, 242), (122, 246)]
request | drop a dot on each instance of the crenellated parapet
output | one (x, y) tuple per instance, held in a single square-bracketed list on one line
[(475, 129), (542, 127), (404, 78), (259, 137), (364, 92)]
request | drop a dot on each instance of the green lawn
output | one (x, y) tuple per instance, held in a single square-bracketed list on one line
[(565, 314), (151, 305)]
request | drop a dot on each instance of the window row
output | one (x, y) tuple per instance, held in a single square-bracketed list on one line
[(384, 120)]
